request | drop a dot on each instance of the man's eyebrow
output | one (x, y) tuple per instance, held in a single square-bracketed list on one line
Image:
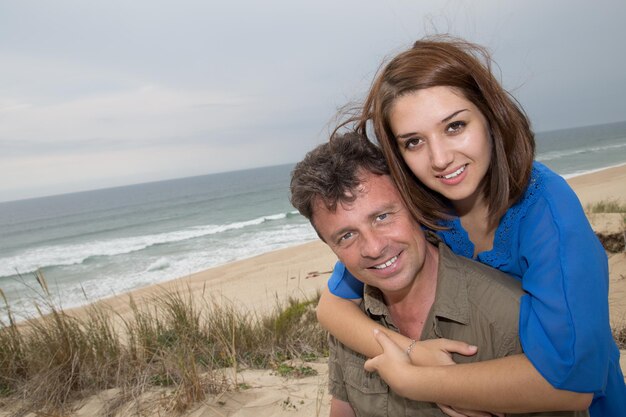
[(388, 207), (336, 235), (444, 120)]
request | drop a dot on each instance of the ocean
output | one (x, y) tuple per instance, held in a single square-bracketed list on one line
[(95, 244)]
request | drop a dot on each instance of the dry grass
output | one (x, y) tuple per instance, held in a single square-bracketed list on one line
[(619, 334), (614, 242), (607, 206), (57, 359)]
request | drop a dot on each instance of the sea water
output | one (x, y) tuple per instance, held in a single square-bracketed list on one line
[(581, 150), (96, 244)]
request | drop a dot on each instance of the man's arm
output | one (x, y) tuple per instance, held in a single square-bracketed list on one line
[(507, 385), (340, 408)]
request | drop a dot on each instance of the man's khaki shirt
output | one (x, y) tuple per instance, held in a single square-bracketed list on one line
[(473, 303)]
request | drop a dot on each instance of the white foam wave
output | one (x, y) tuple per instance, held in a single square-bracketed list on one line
[(590, 171), (158, 265), (166, 268), (552, 155), (71, 254)]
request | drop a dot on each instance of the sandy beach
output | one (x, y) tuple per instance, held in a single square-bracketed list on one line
[(257, 283)]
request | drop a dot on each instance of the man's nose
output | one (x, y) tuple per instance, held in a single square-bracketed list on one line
[(373, 244)]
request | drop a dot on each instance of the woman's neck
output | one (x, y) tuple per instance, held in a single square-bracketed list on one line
[(475, 221)]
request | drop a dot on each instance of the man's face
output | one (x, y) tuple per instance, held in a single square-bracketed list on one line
[(374, 236)]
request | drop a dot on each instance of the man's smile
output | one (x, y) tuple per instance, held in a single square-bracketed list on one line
[(387, 264)]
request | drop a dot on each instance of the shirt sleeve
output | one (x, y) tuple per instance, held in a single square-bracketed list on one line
[(343, 284), (564, 319)]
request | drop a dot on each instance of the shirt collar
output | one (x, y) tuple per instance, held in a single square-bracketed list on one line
[(451, 298)]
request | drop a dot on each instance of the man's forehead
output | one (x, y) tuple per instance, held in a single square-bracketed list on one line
[(371, 185), (346, 201), (377, 194)]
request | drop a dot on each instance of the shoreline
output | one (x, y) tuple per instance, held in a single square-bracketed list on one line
[(277, 269), (301, 269), (567, 177), (604, 184), (257, 283)]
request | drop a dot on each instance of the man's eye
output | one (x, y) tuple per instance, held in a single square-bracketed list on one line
[(382, 216), (345, 237)]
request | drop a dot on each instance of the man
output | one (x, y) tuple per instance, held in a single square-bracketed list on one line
[(414, 286)]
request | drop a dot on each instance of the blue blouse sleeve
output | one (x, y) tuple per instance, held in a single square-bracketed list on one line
[(343, 284), (564, 318)]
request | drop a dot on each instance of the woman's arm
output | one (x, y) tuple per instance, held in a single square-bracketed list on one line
[(507, 385), (564, 319), (354, 329)]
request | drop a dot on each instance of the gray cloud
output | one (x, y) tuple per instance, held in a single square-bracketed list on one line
[(193, 87)]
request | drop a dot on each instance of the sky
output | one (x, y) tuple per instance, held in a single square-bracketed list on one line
[(97, 94)]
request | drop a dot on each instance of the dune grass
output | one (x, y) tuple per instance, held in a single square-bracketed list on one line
[(612, 242), (56, 359), (607, 206), (619, 334)]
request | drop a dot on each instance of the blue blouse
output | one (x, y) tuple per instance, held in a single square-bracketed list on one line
[(545, 241)]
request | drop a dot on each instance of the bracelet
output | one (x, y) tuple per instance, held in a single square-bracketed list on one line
[(411, 346)]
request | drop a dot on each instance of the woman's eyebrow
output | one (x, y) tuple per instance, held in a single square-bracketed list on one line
[(444, 120), (452, 115)]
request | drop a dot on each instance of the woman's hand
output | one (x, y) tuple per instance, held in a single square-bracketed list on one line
[(395, 366), (391, 363), (434, 352)]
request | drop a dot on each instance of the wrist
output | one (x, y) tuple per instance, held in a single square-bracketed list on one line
[(410, 348)]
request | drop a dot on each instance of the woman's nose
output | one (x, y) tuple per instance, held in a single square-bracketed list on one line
[(441, 156)]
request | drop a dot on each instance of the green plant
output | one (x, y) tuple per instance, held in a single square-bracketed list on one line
[(301, 371)]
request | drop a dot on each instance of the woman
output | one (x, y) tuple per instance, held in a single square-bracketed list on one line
[(461, 150)]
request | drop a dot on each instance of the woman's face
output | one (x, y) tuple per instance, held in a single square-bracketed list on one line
[(445, 141)]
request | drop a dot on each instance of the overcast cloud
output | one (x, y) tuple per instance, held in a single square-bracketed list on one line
[(105, 93)]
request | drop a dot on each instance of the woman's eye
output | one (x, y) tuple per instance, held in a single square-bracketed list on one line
[(455, 126), (413, 143), (382, 216)]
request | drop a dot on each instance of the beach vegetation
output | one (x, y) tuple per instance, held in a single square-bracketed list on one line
[(287, 370), (612, 242), (607, 206), (170, 341), (619, 334)]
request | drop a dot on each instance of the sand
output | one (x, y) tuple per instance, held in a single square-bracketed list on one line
[(257, 283)]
